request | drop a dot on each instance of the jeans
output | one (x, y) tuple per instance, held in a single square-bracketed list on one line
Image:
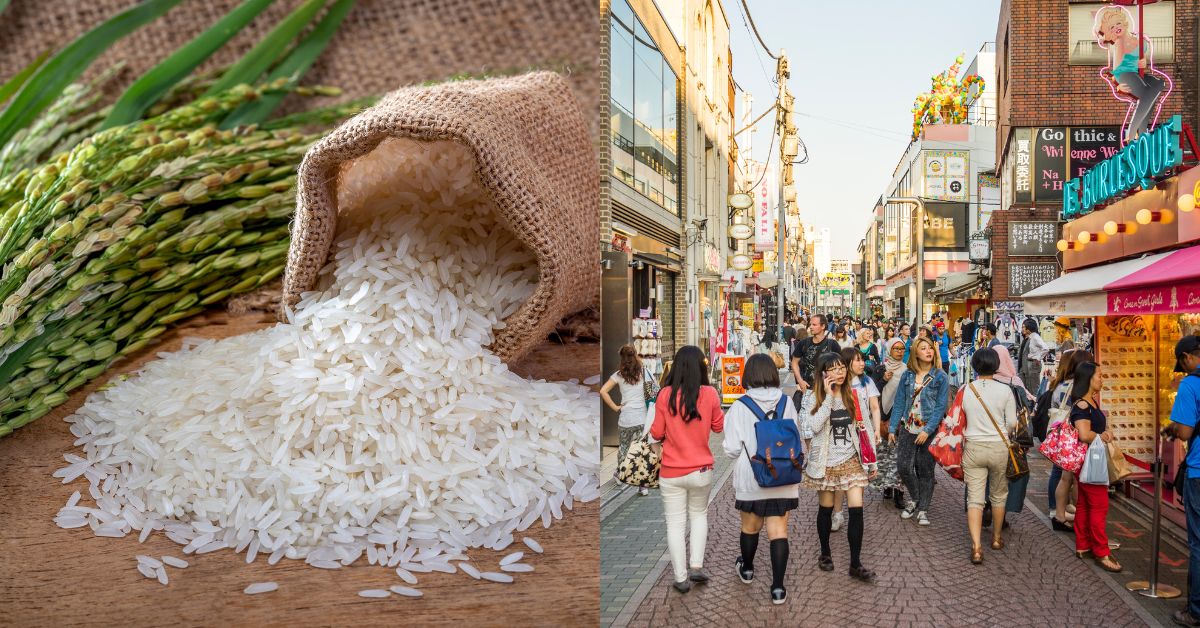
[(1052, 486), (916, 468), (1191, 507), (685, 500), (1091, 517)]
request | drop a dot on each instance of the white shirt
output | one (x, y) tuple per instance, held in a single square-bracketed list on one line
[(633, 402), (999, 399)]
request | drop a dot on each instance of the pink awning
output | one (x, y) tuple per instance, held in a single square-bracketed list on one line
[(1170, 285)]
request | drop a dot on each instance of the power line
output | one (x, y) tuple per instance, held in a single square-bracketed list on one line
[(757, 55), (746, 9)]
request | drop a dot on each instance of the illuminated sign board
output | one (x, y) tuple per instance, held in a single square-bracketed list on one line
[(1138, 163)]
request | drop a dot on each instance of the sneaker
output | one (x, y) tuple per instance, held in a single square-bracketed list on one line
[(1185, 618), (910, 508), (837, 521), (745, 575), (683, 587), (643, 491), (778, 596), (922, 520), (697, 575)]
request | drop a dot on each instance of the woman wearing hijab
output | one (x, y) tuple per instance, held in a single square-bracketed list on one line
[(887, 481)]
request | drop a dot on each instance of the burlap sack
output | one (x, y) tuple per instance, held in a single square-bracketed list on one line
[(380, 45), (535, 159)]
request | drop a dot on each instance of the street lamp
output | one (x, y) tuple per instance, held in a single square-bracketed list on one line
[(920, 269)]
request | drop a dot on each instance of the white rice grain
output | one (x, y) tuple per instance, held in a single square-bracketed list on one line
[(175, 562), (405, 591), (533, 545), (496, 577), (260, 587), (374, 593)]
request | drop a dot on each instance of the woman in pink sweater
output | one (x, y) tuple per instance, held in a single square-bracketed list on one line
[(686, 412)]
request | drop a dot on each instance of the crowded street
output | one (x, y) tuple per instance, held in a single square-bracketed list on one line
[(921, 351)]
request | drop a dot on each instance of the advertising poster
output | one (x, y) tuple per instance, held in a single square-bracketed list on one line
[(987, 187), (1092, 145), (946, 174), (731, 377)]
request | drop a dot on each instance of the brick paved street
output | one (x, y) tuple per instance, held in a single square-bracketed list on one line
[(924, 574)]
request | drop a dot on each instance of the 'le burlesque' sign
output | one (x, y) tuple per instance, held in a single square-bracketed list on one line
[(1138, 163)]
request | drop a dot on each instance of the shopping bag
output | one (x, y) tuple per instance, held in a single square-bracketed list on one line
[(947, 445), (1095, 464), (641, 464), (1118, 466)]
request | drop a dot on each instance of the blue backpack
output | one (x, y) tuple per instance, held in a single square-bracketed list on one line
[(778, 458)]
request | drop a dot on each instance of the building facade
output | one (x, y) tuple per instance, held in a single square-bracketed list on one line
[(666, 124)]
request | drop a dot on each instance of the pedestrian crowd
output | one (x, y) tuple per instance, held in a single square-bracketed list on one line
[(868, 414)]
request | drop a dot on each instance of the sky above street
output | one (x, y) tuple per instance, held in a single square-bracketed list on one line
[(856, 67)]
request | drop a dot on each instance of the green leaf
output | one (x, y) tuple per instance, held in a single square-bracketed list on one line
[(298, 61), (15, 83), (148, 89), (257, 60), (50, 79)]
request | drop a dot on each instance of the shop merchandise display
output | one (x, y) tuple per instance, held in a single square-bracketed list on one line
[(375, 421), (1128, 354), (647, 333)]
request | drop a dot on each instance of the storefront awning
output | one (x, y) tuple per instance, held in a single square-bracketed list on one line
[(662, 261), (1168, 285), (952, 284), (1163, 283)]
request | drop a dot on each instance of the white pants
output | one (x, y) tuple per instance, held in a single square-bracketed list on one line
[(685, 500)]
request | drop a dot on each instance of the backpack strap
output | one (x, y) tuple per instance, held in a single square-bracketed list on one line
[(781, 407), (754, 408)]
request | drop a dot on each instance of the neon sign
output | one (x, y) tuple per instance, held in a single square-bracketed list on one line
[(1130, 71), (1138, 163)]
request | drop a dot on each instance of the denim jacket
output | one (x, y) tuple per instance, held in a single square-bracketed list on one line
[(933, 400)]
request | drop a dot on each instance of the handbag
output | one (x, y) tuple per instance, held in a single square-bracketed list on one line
[(1018, 464), (1118, 466), (641, 464), (866, 448), (1021, 434), (1063, 447), (946, 447)]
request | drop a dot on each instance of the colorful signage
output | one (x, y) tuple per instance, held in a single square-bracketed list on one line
[(1050, 159), (1023, 165), (1164, 299), (1137, 164), (946, 174)]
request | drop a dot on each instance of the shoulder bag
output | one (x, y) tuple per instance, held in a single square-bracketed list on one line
[(1018, 465), (866, 448), (641, 464)]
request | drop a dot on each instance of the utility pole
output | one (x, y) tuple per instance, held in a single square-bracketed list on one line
[(788, 149)]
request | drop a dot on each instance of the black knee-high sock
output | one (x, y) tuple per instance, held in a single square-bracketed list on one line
[(749, 547), (855, 533), (824, 526), (779, 558)]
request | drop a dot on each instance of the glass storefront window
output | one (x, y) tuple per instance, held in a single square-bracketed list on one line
[(644, 118)]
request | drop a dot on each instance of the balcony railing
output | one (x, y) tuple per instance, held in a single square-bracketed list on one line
[(1088, 52)]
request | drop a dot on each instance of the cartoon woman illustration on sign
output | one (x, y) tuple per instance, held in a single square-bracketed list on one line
[(1144, 90)]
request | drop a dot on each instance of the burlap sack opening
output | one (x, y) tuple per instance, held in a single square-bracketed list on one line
[(533, 157)]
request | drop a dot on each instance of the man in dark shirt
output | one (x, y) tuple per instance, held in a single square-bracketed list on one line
[(789, 334), (806, 351)]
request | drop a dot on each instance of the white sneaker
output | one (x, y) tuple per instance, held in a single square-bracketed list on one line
[(837, 521), (910, 508), (922, 520), (643, 491)]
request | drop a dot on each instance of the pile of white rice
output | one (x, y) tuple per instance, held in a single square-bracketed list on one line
[(375, 421)]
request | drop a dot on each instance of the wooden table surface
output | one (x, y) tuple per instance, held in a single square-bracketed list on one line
[(55, 577)]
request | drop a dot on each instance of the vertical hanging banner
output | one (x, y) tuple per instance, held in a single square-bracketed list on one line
[(766, 204), (1023, 166)]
